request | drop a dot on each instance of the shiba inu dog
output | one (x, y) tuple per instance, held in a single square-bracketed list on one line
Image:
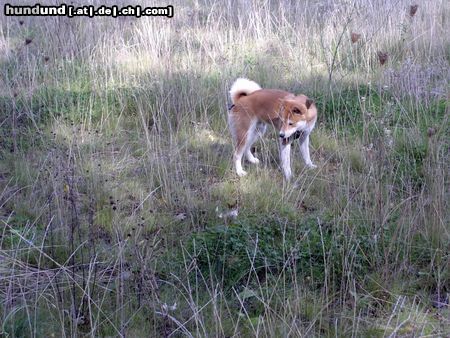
[(294, 116)]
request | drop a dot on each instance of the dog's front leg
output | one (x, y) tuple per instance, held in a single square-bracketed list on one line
[(304, 151), (285, 159)]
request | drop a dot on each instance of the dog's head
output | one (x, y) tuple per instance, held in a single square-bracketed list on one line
[(296, 114)]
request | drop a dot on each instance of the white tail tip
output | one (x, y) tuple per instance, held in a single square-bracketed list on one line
[(241, 87)]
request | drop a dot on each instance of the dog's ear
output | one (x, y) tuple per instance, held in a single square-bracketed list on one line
[(309, 102)]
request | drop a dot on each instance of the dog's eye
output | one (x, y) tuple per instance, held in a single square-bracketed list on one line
[(291, 123), (296, 111)]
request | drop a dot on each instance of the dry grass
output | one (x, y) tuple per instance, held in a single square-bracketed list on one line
[(115, 165)]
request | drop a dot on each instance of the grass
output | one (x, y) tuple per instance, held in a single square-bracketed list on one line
[(117, 192)]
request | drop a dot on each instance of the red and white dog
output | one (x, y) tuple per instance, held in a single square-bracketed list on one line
[(294, 116)]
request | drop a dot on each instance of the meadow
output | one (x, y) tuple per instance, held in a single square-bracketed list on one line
[(120, 211)]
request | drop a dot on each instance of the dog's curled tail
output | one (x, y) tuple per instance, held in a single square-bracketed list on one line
[(242, 87)]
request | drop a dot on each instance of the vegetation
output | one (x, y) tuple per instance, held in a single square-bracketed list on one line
[(120, 213)]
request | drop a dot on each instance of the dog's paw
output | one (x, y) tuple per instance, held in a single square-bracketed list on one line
[(311, 166), (253, 160), (241, 173), (287, 175)]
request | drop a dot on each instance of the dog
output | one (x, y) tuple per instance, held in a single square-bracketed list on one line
[(253, 108)]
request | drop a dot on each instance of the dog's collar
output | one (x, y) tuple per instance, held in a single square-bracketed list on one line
[(297, 134)]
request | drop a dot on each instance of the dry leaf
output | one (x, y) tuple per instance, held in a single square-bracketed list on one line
[(382, 57), (355, 37), (413, 10)]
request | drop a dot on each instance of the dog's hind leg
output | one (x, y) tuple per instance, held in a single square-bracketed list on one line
[(242, 132), (254, 133), (239, 152)]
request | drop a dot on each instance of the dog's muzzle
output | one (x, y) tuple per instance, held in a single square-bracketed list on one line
[(284, 139), (287, 140)]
